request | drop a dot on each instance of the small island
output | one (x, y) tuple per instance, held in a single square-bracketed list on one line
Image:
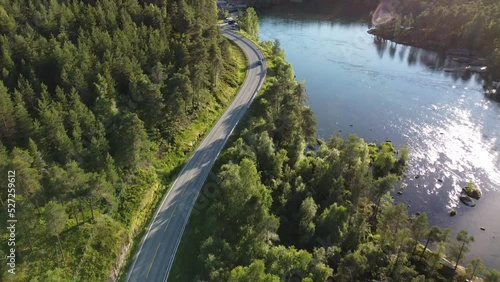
[(472, 191), (468, 193)]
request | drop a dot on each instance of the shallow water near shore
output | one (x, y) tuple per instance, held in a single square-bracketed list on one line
[(384, 91)]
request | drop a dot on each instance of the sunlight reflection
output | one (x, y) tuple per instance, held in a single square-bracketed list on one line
[(457, 150)]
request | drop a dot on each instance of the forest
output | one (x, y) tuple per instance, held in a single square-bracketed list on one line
[(101, 102), (285, 206), (448, 24)]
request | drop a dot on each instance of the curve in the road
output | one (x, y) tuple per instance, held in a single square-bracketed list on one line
[(158, 247)]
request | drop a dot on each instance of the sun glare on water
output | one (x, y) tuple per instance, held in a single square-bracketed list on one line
[(456, 152)]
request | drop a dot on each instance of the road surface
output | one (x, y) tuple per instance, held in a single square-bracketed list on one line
[(157, 251)]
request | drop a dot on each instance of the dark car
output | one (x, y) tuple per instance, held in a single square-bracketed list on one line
[(259, 62)]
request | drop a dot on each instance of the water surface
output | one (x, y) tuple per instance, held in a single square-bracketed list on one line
[(385, 91)]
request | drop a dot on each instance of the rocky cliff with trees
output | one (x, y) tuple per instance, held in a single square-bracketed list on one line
[(473, 27)]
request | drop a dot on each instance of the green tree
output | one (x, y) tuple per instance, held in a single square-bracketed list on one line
[(249, 22), (149, 98), (391, 220), (332, 222), (24, 123), (307, 212), (269, 162), (276, 49), (458, 250), (384, 185), (4, 161), (105, 107), (38, 161), (7, 117), (352, 267), (55, 221), (355, 159), (400, 243), (182, 94), (419, 229), (287, 262), (53, 134), (435, 234), (318, 267), (492, 275), (8, 23), (216, 63), (70, 183), (130, 144), (403, 157), (244, 199), (384, 163), (475, 268), (27, 177), (253, 272), (378, 260)]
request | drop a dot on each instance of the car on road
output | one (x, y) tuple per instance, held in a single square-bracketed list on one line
[(259, 62)]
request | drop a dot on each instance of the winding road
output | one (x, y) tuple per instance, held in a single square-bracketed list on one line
[(157, 251)]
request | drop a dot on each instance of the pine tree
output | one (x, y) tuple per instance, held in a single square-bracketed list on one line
[(52, 133), (55, 221), (8, 130), (130, 144), (458, 250), (24, 121)]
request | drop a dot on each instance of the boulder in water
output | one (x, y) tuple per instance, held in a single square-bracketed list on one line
[(468, 201)]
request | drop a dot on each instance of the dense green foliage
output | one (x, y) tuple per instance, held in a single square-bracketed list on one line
[(249, 22), (445, 24), (100, 100), (285, 207)]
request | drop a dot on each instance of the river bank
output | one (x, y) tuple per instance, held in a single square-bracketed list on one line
[(467, 60), (381, 90)]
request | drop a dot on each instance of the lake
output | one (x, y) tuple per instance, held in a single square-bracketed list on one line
[(384, 91)]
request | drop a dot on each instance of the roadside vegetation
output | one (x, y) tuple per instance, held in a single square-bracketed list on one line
[(101, 103), (281, 205)]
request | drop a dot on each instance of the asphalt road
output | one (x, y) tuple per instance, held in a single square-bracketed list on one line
[(156, 255)]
